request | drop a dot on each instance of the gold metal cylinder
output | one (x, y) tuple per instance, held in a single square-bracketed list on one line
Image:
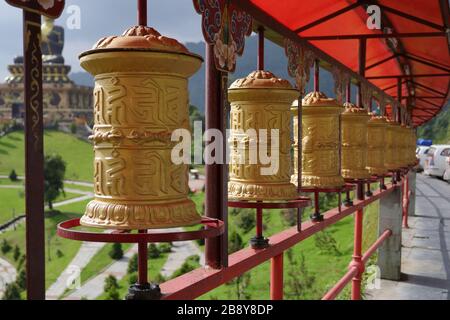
[(354, 122), (376, 139), (261, 101), (320, 142), (141, 97), (412, 146), (391, 161)]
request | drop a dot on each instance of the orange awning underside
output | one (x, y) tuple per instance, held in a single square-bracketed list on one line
[(295, 14)]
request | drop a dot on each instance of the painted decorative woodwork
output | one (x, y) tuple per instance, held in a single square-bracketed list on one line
[(140, 98), (260, 101), (224, 26), (320, 142), (376, 142), (354, 122)]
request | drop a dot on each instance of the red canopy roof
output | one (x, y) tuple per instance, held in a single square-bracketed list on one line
[(423, 55)]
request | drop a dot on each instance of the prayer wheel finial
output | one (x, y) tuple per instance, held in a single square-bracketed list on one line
[(141, 97)]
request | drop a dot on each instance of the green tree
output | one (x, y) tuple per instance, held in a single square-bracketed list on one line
[(153, 251), (21, 280), (13, 176), (133, 264), (54, 172), (110, 283), (12, 292), (235, 242), (6, 247), (246, 220), (16, 254), (116, 251), (326, 243)]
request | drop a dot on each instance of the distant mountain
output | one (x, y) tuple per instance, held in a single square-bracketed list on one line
[(82, 78), (437, 129), (275, 60)]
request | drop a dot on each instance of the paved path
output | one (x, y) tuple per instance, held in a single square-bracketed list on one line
[(425, 247), (94, 287), (180, 252), (8, 274), (87, 251)]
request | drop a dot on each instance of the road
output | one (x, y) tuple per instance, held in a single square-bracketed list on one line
[(425, 248)]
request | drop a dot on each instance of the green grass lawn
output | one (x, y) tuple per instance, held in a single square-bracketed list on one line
[(78, 154), (12, 201), (321, 268)]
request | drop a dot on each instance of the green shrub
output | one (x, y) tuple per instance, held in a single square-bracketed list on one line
[(12, 292), (16, 254), (153, 251), (116, 251), (246, 220), (165, 247), (59, 253), (235, 242), (110, 283), (13, 176), (133, 264), (6, 247), (133, 278)]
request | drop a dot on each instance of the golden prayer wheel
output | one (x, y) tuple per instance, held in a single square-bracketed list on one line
[(398, 145), (320, 142), (412, 146), (354, 122), (141, 97), (261, 101), (376, 138), (391, 157), (404, 146)]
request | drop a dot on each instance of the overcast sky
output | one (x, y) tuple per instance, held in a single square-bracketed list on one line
[(99, 18)]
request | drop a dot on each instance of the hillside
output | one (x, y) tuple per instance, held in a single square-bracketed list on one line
[(438, 128), (78, 154)]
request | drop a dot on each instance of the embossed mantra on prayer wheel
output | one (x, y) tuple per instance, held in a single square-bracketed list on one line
[(412, 146), (141, 97), (354, 142), (320, 142), (397, 145), (404, 147), (390, 158), (376, 139), (260, 101)]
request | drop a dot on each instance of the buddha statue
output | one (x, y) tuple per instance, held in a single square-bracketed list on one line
[(52, 42)]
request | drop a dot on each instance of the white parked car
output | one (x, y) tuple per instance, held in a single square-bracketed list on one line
[(447, 170), (436, 160), (421, 154)]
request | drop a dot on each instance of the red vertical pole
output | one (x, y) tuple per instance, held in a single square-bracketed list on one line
[(142, 261), (276, 278), (216, 183), (357, 247), (142, 12), (34, 158), (405, 203), (259, 222), (260, 48)]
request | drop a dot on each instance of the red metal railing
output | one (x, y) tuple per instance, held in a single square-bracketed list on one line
[(203, 280)]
